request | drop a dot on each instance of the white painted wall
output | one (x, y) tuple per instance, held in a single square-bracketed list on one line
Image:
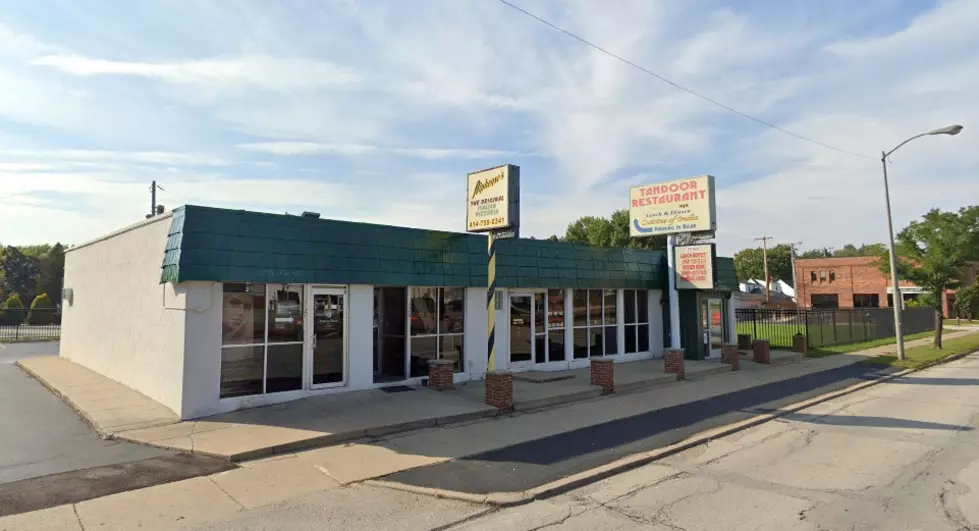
[(360, 336), (474, 342), (122, 322), (202, 349)]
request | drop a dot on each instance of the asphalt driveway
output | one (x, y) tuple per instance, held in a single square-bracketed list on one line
[(49, 454)]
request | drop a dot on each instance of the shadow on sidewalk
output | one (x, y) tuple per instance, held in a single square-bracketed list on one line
[(526, 465)]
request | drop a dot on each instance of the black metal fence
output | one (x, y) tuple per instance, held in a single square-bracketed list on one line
[(825, 327), (29, 325)]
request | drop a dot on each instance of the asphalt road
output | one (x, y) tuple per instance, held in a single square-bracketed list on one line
[(49, 454), (523, 466), (903, 455)]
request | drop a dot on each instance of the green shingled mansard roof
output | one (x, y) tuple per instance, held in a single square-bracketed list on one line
[(219, 245)]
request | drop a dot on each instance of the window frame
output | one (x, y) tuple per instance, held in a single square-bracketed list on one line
[(601, 323), (638, 324), (438, 335)]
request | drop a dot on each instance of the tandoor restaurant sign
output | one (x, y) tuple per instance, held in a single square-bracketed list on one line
[(684, 205), (493, 199), (695, 266)]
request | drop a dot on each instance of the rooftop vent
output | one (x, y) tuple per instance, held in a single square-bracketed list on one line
[(313, 215)]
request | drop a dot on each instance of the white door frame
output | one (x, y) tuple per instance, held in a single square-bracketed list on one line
[(311, 339)]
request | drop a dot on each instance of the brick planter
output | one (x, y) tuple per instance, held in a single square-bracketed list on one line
[(744, 341), (673, 362), (499, 389), (800, 343), (731, 356), (762, 351), (603, 374), (440, 375)]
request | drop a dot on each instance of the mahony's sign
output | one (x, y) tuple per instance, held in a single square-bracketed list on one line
[(493, 199), (684, 205)]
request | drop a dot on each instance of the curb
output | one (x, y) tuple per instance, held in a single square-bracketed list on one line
[(64, 398), (554, 488)]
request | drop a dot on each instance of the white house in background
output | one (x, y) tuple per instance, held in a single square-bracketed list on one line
[(757, 286)]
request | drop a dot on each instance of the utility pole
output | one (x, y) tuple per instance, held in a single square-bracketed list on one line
[(153, 188), (764, 256)]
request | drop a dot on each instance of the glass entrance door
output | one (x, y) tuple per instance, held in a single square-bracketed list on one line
[(712, 319), (521, 332), (328, 350)]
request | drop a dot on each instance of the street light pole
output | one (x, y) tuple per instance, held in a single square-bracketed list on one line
[(898, 302)]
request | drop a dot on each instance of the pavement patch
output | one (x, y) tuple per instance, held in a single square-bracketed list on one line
[(80, 485), (521, 467)]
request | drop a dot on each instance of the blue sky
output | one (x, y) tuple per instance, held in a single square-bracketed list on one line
[(376, 110)]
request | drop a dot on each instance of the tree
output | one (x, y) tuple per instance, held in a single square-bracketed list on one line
[(42, 311), (609, 232), (750, 263), (51, 271), (932, 253), (967, 300), (12, 311), (19, 271)]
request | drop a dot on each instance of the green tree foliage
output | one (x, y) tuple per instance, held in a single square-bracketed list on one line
[(19, 272), (749, 263), (848, 250), (12, 311), (932, 253), (41, 311), (967, 301), (609, 232), (51, 271)]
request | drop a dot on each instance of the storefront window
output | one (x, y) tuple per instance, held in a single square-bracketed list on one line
[(437, 327), (636, 320), (596, 334), (555, 325), (390, 322), (262, 339)]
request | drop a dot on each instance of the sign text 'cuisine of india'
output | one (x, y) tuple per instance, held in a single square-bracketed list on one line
[(493, 199), (684, 205), (695, 266)]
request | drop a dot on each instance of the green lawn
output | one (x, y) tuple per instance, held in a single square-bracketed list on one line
[(822, 352), (780, 334), (917, 357)]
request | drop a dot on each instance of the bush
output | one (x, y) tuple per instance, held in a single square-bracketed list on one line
[(12, 312), (42, 311)]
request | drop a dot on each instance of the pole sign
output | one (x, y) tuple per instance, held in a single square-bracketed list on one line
[(695, 266), (684, 205), (493, 199)]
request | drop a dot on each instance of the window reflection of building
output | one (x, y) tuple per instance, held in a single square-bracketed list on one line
[(437, 326), (594, 322)]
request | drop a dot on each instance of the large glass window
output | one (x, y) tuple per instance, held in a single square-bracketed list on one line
[(636, 303), (261, 339), (555, 325), (594, 323), (436, 325)]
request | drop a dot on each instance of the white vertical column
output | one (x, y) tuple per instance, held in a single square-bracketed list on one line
[(359, 314), (672, 292), (620, 320), (732, 329), (568, 328)]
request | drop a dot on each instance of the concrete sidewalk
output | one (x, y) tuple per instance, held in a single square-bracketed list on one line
[(117, 411)]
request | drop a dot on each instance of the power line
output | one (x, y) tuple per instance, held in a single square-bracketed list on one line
[(681, 87)]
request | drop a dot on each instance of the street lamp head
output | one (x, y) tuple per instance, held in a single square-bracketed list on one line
[(950, 130)]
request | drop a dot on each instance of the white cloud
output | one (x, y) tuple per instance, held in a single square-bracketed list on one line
[(319, 148), (279, 73)]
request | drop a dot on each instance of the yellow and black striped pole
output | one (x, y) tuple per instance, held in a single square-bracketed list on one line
[(491, 303)]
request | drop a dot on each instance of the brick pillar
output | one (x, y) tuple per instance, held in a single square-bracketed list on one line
[(800, 343), (499, 389), (762, 350), (440, 375), (744, 341), (603, 374), (731, 356), (673, 362)]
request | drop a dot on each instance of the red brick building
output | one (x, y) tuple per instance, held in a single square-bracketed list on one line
[(857, 283)]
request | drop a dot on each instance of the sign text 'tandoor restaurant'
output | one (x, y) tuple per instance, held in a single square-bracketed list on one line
[(684, 205), (695, 266)]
